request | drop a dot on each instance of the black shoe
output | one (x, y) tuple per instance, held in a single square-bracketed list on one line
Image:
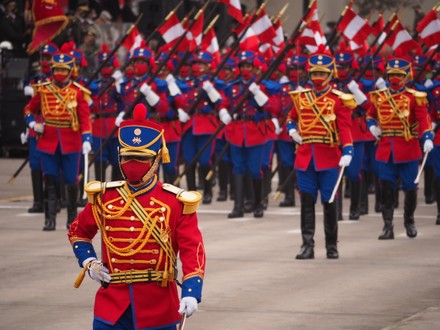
[(207, 199), (411, 230), (306, 252), (387, 234), (354, 215), (248, 207), (222, 196), (332, 252), (49, 226), (288, 202), (429, 199), (259, 212), (36, 208), (236, 213)]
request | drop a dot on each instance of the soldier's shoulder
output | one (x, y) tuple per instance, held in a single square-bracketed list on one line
[(189, 199), (82, 88), (94, 188)]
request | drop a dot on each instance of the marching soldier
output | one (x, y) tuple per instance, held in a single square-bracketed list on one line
[(144, 225), (46, 53), (64, 132), (247, 133), (320, 124), (396, 116), (104, 110), (201, 124)]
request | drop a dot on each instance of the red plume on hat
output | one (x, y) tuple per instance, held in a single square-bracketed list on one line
[(49, 20)]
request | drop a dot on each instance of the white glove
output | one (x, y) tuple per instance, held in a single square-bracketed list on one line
[(28, 91), (37, 127), (183, 116), (278, 129), (345, 161), (433, 125), (380, 83), (98, 272), (359, 96), (376, 131), (120, 118), (24, 137), (117, 75), (295, 136), (428, 146), (86, 147), (209, 88), (224, 116), (259, 95), (151, 97), (172, 86), (428, 83), (188, 305)]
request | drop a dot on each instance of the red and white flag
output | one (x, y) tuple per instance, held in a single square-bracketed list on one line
[(312, 36), (171, 30), (429, 29), (263, 27), (278, 42), (353, 27), (234, 9), (249, 41), (194, 36), (133, 40), (401, 39), (210, 45), (378, 26)]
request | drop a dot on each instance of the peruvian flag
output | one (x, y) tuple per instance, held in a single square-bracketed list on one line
[(312, 36), (171, 30), (133, 40), (429, 29), (354, 27), (378, 26), (210, 44), (386, 31), (401, 39), (194, 36), (278, 42), (234, 9), (249, 41), (49, 20), (263, 28)]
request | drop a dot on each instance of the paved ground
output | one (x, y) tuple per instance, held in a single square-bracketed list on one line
[(252, 280)]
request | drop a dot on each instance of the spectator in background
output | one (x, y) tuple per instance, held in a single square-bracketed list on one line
[(12, 28), (90, 50), (81, 23), (128, 15), (105, 32)]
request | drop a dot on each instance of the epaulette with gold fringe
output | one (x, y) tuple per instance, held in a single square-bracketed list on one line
[(82, 88), (190, 199), (94, 188), (346, 98), (419, 96)]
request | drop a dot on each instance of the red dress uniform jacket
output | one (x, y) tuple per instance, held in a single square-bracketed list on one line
[(130, 246), (36, 80), (105, 107), (204, 119), (286, 105), (171, 123), (65, 113), (249, 127), (401, 117), (324, 122)]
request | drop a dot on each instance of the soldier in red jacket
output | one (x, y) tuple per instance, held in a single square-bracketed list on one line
[(320, 123), (396, 116), (64, 132), (144, 224)]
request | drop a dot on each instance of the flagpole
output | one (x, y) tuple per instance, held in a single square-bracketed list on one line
[(333, 37)]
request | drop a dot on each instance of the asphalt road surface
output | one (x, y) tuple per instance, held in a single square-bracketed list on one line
[(252, 278)]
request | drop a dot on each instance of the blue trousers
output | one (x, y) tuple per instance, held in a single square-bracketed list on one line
[(247, 159), (173, 149), (67, 163), (286, 151), (311, 181), (34, 154), (191, 144), (407, 172), (354, 170)]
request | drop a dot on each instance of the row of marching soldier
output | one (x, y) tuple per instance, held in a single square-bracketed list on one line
[(253, 134)]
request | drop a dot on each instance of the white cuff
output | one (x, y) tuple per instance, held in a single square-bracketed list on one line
[(224, 116), (85, 262), (173, 88), (151, 97)]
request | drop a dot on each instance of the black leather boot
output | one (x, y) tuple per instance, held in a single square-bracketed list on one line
[(191, 178), (347, 189), (289, 199), (388, 194), (207, 187), (307, 227), (50, 208), (223, 179), (331, 228), (338, 201), (410, 205), (248, 205), (72, 198), (266, 188), (378, 196), (237, 211), (37, 190), (258, 196), (437, 196), (99, 171), (363, 202), (428, 175), (355, 194)]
